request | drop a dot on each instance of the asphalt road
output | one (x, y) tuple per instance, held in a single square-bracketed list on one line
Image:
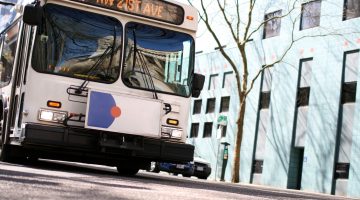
[(61, 180)]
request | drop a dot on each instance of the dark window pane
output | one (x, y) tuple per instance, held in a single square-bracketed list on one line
[(351, 9), (310, 15), (197, 107), (303, 96), (228, 79), (223, 131), (342, 170), (78, 44), (258, 166), (194, 130), (162, 59), (348, 93), (225, 101), (8, 55), (213, 81), (265, 100), (207, 129), (210, 106), (272, 27)]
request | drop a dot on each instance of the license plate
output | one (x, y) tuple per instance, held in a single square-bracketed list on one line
[(200, 168), (180, 166)]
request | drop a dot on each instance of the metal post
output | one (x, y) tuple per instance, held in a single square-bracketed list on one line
[(225, 159)]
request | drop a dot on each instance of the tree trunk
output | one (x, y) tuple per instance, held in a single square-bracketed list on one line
[(242, 89), (238, 140)]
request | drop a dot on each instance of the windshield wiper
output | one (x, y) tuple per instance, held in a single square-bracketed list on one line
[(92, 69), (144, 67)]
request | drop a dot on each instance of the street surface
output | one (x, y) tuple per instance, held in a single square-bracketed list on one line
[(61, 180)]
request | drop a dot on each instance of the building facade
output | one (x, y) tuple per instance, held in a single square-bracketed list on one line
[(302, 126)]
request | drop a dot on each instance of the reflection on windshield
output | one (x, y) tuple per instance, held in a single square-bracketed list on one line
[(161, 56), (73, 41)]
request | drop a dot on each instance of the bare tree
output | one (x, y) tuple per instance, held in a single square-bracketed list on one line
[(241, 19)]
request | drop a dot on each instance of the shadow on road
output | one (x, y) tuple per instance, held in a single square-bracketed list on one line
[(144, 178)]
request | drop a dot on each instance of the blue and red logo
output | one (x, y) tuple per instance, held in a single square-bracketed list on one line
[(102, 110)]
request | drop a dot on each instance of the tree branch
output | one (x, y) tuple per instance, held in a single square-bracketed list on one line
[(227, 21)]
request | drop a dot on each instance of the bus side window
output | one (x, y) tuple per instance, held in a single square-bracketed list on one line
[(1, 47), (8, 55)]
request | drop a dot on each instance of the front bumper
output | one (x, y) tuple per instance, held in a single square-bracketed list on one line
[(187, 169), (201, 170), (93, 146)]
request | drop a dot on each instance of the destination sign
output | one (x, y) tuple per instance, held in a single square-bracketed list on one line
[(155, 9)]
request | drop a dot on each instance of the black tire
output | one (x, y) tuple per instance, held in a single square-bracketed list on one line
[(186, 175), (127, 171), (9, 153), (12, 154), (32, 160), (4, 148), (202, 177), (4, 152)]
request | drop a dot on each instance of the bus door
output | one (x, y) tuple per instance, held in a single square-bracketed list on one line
[(19, 78), (7, 63)]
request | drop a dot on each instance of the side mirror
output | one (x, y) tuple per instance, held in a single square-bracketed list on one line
[(33, 15), (197, 84)]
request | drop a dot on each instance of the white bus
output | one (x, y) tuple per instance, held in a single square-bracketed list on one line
[(99, 81)]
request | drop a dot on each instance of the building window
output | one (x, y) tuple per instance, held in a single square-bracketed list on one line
[(342, 170), (303, 93), (305, 78), (258, 166), (266, 79), (310, 14), (348, 93), (351, 9), (351, 62), (225, 102), (197, 106), (228, 79), (223, 131), (265, 100), (194, 130), (263, 119), (303, 96), (210, 106), (272, 24), (213, 81), (302, 101), (207, 129), (263, 123), (347, 113)]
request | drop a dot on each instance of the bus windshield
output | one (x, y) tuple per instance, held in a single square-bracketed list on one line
[(158, 59), (78, 44)]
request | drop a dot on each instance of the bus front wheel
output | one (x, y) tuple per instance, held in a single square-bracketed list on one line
[(4, 152), (4, 148), (127, 171)]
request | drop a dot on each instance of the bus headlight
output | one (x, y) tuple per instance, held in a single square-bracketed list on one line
[(168, 132), (52, 115)]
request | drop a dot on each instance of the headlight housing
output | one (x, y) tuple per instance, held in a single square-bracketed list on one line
[(173, 133), (52, 115)]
